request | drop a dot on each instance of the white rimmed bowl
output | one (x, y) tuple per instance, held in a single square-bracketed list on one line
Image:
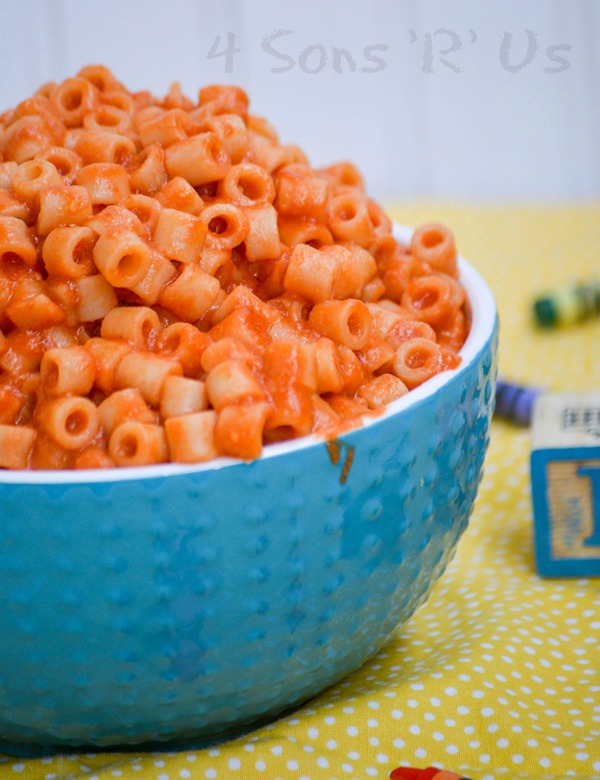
[(184, 603)]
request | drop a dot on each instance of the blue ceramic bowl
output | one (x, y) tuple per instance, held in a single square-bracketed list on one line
[(181, 603)]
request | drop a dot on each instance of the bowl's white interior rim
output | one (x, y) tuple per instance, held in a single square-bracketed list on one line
[(483, 312)]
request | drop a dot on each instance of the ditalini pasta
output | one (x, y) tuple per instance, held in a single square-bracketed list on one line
[(176, 284)]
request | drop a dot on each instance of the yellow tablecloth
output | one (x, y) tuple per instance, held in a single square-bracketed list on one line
[(497, 675)]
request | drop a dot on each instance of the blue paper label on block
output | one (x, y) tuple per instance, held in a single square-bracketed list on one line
[(566, 504)]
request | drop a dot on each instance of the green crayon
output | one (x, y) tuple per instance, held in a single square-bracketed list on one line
[(568, 307)]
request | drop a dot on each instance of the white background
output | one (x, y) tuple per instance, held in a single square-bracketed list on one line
[(511, 111)]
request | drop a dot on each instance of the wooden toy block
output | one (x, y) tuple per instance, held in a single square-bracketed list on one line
[(565, 482)]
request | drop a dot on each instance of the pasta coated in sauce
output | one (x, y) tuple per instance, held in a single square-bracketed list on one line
[(177, 284)]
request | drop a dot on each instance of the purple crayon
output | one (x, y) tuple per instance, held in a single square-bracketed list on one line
[(515, 403)]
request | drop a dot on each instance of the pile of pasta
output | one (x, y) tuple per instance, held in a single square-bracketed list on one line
[(176, 284)]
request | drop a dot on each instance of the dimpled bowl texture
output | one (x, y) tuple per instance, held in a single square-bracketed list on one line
[(184, 603)]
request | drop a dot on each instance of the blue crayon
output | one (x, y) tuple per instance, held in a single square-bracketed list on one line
[(515, 403)]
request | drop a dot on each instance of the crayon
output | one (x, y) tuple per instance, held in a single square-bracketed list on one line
[(515, 403), (431, 773), (568, 307)]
